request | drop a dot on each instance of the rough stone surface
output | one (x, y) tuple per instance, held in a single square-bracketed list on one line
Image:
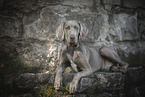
[(23, 95), (27, 30), (28, 43), (124, 27), (134, 3), (102, 84), (99, 83), (135, 82)]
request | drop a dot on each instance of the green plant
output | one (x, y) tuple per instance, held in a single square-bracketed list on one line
[(48, 90), (45, 91)]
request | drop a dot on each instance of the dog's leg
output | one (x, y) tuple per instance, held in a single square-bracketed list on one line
[(58, 79), (73, 86), (113, 56), (73, 65), (81, 61)]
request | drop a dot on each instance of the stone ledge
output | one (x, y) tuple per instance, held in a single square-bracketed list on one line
[(100, 82)]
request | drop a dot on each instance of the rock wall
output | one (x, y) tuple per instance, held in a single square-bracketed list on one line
[(103, 84), (28, 43), (30, 83), (27, 30)]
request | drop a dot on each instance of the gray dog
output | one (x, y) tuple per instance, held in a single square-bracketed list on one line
[(83, 59)]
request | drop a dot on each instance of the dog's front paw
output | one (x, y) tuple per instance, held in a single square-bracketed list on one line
[(123, 69), (57, 85), (74, 66), (73, 87), (114, 68)]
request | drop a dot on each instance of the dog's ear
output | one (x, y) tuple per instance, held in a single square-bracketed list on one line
[(82, 30), (60, 31)]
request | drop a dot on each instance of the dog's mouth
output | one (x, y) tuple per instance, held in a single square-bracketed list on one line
[(73, 44)]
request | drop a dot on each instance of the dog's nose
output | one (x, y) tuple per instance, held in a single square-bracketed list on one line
[(72, 37)]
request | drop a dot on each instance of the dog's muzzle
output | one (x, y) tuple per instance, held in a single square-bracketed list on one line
[(72, 41)]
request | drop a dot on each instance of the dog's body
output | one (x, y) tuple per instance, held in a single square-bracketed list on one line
[(77, 55)]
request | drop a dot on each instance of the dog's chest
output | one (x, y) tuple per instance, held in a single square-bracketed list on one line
[(70, 50)]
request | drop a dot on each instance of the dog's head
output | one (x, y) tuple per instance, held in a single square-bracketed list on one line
[(71, 31)]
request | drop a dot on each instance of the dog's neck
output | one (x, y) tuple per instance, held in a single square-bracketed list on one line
[(71, 46)]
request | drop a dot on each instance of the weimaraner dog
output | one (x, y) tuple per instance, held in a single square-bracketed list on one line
[(83, 59)]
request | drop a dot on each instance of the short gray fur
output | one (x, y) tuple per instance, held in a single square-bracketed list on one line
[(78, 55)]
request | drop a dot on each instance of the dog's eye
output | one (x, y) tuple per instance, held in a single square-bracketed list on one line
[(67, 28), (75, 27)]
